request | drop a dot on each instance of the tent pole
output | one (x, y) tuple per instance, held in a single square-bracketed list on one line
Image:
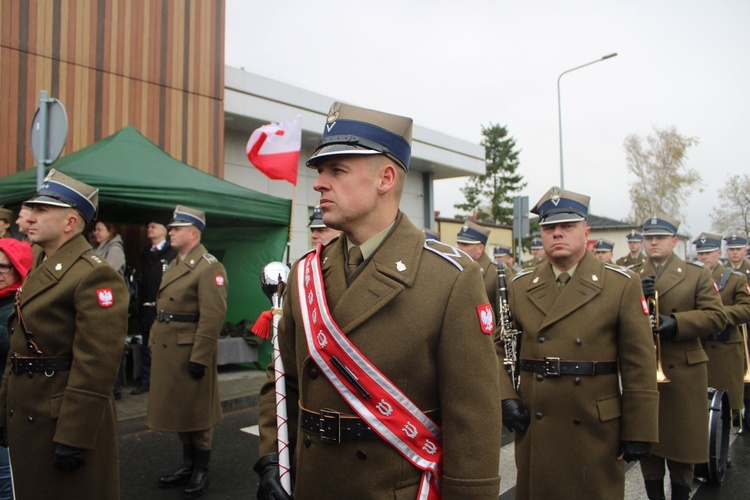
[(289, 236)]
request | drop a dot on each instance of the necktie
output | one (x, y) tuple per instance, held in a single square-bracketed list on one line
[(154, 248), (562, 280), (355, 259)]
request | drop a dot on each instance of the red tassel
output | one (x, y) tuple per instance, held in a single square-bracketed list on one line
[(262, 327)]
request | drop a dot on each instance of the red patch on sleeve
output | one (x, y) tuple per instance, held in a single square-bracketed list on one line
[(486, 318), (716, 287), (644, 305), (219, 280), (748, 288), (105, 297)]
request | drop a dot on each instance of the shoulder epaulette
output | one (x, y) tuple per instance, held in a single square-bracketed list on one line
[(738, 273), (618, 269), (210, 258), (96, 258), (697, 263), (524, 272), (449, 253)]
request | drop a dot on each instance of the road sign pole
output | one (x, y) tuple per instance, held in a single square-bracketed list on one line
[(43, 134)]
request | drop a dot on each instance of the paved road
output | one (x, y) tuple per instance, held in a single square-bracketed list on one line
[(144, 456)]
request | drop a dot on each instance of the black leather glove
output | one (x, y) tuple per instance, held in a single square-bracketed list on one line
[(197, 371), (649, 286), (667, 327), (515, 416), (4, 437), (270, 484), (635, 450), (67, 458)]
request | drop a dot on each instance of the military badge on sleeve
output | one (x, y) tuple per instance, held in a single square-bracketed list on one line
[(486, 321), (644, 306), (105, 297), (219, 279)]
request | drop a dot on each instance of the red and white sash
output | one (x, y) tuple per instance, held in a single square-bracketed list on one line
[(386, 409)]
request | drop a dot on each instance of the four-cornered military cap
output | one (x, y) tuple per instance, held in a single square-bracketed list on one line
[(59, 190), (501, 250), (316, 219), (634, 236), (186, 216), (350, 130), (559, 205), (536, 244), (660, 225), (472, 233), (431, 234), (707, 242), (603, 245), (736, 240), (6, 214)]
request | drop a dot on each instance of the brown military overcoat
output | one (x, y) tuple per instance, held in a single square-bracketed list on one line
[(578, 422), (686, 292), (74, 304), (413, 313), (631, 262), (726, 358), (196, 284)]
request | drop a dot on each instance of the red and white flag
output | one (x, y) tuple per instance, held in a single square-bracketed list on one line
[(274, 149)]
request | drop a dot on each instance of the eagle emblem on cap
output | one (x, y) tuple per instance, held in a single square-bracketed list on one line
[(333, 113), (554, 195)]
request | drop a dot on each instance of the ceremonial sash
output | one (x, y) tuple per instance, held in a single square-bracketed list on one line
[(377, 401)]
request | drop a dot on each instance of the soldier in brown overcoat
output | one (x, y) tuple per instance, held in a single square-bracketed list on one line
[(689, 308), (537, 253), (587, 400), (184, 393), (726, 357), (415, 309), (737, 251), (635, 251), (66, 344)]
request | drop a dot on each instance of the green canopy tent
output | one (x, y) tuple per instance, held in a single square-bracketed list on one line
[(245, 229)]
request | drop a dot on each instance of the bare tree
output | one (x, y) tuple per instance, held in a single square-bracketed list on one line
[(734, 211), (663, 181)]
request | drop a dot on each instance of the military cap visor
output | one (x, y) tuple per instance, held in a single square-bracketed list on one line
[(183, 219), (707, 243), (536, 244), (658, 226), (56, 194), (736, 241), (634, 237), (471, 236), (604, 246), (501, 251), (558, 206)]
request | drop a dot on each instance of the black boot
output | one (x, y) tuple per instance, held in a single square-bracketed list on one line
[(655, 489), (680, 492), (198, 484), (183, 473)]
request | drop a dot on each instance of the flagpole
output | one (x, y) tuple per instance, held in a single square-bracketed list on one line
[(291, 226)]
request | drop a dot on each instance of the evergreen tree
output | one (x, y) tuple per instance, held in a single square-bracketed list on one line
[(488, 196)]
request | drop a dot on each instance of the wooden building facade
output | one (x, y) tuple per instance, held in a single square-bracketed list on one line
[(157, 65)]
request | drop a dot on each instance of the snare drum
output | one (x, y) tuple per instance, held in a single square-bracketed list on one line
[(719, 425)]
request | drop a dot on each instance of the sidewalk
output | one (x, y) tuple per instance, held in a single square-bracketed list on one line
[(239, 387)]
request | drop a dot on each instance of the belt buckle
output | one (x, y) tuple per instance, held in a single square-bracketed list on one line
[(552, 366), (330, 426)]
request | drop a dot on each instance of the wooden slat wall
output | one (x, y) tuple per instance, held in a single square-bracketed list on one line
[(155, 64)]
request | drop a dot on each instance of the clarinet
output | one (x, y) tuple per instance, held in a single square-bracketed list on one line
[(509, 335)]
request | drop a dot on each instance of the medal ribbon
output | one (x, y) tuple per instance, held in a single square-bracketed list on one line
[(372, 396)]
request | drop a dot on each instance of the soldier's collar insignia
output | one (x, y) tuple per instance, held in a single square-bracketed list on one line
[(679, 269), (58, 267), (535, 280), (594, 277), (400, 266), (192, 261)]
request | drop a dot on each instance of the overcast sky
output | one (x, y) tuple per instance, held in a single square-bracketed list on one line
[(455, 66)]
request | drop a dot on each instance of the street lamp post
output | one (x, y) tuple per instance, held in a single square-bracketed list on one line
[(559, 110)]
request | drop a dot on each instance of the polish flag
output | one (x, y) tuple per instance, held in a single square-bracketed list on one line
[(274, 149)]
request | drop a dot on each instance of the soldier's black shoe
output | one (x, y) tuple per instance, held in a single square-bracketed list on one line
[(139, 390), (680, 492), (198, 484), (183, 473), (655, 489)]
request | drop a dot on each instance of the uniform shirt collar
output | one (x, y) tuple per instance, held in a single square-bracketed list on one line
[(369, 246)]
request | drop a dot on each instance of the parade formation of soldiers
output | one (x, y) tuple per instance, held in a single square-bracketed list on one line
[(403, 356)]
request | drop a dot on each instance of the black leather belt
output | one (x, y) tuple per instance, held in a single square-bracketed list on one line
[(40, 364), (333, 427), (166, 317), (554, 367)]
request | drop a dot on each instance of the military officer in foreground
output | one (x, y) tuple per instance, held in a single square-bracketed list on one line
[(472, 239), (537, 253), (726, 359), (603, 250), (584, 332), (635, 251), (66, 338), (689, 308), (419, 400), (184, 394)]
